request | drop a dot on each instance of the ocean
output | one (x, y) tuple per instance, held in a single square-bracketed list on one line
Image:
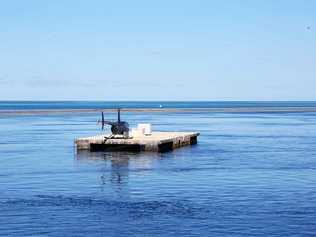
[(251, 174), (31, 105)]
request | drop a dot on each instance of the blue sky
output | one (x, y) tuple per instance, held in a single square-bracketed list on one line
[(158, 50)]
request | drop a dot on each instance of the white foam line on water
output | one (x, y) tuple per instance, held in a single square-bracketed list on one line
[(165, 110)]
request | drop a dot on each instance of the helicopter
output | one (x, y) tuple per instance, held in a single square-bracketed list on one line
[(119, 127)]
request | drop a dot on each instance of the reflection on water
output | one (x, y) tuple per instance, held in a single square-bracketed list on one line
[(119, 167), (119, 164)]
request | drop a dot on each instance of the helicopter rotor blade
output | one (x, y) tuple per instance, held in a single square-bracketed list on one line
[(102, 120), (118, 115)]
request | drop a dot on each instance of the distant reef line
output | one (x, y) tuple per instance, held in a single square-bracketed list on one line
[(163, 110)]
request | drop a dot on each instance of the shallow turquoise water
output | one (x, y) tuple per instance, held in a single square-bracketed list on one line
[(29, 105), (250, 174)]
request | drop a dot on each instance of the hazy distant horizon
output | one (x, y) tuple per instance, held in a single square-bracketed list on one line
[(254, 101), (171, 106)]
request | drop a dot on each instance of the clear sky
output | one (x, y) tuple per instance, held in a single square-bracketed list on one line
[(158, 50)]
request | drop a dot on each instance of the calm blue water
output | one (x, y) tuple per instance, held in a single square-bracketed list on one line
[(153, 104), (250, 175)]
